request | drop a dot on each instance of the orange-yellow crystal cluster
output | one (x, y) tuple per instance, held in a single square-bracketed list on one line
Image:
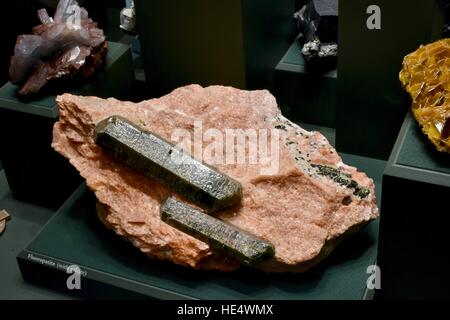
[(426, 77)]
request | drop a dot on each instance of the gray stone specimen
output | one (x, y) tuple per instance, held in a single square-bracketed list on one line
[(317, 21)]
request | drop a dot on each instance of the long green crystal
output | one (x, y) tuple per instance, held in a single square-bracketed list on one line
[(157, 158)]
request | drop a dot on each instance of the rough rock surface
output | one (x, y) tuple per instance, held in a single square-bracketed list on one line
[(66, 46), (303, 213)]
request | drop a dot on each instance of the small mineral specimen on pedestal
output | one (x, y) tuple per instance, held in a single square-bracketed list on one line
[(68, 45), (426, 77), (317, 22)]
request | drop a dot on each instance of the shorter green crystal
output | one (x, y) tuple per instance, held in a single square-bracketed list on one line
[(221, 236)]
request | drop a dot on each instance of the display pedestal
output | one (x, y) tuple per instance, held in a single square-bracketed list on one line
[(234, 42), (114, 268), (305, 95), (35, 172), (413, 250)]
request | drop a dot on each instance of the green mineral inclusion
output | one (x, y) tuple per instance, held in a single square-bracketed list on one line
[(342, 179)]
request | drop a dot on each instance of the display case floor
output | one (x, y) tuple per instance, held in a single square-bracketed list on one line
[(26, 221), (116, 269)]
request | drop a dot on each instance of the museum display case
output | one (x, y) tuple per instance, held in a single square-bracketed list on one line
[(227, 150)]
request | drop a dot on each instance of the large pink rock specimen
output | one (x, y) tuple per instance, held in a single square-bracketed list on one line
[(304, 207)]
